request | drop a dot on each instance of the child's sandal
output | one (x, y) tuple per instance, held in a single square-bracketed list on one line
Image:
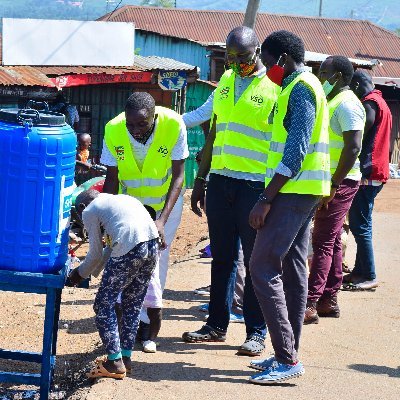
[(99, 371)]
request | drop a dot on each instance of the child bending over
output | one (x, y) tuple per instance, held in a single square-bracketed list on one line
[(129, 258)]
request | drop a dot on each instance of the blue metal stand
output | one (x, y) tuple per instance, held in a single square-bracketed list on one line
[(51, 285)]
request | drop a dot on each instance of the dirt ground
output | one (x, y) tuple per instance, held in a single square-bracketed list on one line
[(353, 357)]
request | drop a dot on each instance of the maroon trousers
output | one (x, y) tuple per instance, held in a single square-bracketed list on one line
[(326, 267)]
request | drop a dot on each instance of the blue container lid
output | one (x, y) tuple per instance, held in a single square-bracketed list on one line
[(32, 116)]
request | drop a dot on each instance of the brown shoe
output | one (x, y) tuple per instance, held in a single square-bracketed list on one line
[(311, 315), (328, 307)]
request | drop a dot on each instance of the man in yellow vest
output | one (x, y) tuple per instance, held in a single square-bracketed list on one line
[(235, 154), (297, 176), (346, 126), (145, 149)]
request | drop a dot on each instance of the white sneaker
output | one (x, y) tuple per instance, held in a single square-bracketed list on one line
[(149, 346)]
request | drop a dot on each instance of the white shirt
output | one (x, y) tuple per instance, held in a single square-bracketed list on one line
[(179, 152), (348, 116), (126, 223)]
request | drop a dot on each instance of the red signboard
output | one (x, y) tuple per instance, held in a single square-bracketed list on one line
[(100, 79)]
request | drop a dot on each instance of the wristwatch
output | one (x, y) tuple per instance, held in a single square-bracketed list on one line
[(334, 185), (264, 199)]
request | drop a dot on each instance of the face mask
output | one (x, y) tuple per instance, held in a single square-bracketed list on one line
[(276, 73), (328, 87), (244, 69)]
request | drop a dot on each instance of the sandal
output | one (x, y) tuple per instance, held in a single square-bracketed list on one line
[(99, 371), (104, 359)]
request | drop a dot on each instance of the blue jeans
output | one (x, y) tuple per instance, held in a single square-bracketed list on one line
[(360, 222), (229, 202)]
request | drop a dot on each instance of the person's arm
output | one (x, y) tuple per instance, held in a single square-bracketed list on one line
[(198, 192), (299, 123), (111, 183), (95, 253), (351, 121), (371, 109), (178, 155), (201, 114)]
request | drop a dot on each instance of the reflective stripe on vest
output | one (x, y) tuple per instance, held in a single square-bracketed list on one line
[(242, 128), (151, 184), (336, 139), (314, 175)]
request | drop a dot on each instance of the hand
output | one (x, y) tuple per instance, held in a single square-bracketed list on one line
[(160, 227), (74, 279), (325, 200), (258, 214), (198, 195)]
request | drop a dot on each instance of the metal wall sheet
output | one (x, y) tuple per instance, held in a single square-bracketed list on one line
[(149, 44)]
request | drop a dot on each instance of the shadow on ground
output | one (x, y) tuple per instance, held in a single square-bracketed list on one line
[(377, 370)]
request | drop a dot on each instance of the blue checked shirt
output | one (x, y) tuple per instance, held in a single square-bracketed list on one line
[(299, 123)]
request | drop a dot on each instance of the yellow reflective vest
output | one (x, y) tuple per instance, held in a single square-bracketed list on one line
[(243, 129), (336, 141), (314, 175), (149, 185)]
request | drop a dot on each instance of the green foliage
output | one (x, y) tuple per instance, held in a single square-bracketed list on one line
[(158, 3)]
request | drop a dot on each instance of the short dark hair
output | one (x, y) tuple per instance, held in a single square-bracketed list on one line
[(140, 101), (343, 64), (280, 42), (86, 197), (362, 76), (243, 35)]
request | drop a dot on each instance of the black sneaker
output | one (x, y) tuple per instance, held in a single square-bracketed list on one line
[(205, 334)]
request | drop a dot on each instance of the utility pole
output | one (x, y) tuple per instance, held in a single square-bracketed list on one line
[(320, 9), (251, 13)]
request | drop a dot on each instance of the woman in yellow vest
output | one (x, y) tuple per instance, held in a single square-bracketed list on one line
[(346, 126), (145, 149), (297, 176)]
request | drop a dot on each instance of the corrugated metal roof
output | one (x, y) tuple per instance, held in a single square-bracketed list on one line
[(351, 38), (153, 63), (23, 76)]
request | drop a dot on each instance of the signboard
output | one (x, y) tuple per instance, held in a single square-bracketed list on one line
[(172, 80), (100, 79), (52, 42)]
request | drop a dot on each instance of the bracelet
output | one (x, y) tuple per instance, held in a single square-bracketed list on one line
[(334, 185), (264, 199), (201, 179)]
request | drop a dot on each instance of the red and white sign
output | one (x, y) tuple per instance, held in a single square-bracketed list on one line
[(101, 79)]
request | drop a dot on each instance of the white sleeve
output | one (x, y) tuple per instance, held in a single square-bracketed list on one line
[(181, 151), (95, 253), (350, 116), (201, 114), (107, 158)]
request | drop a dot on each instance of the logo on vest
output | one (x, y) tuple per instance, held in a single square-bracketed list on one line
[(223, 93), (257, 99), (163, 151), (119, 150)]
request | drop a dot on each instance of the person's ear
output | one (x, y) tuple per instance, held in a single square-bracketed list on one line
[(81, 207), (258, 51), (282, 60)]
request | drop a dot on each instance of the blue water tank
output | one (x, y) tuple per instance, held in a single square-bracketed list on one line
[(37, 166)]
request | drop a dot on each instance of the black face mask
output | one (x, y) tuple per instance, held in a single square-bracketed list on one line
[(148, 133)]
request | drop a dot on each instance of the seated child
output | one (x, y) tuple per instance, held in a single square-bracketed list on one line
[(129, 258)]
